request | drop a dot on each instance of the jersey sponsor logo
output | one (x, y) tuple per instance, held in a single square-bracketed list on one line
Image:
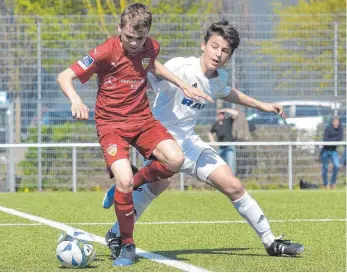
[(112, 149), (133, 84), (85, 62), (192, 104), (145, 62), (110, 82)]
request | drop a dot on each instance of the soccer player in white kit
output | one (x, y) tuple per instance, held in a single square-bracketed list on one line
[(179, 115)]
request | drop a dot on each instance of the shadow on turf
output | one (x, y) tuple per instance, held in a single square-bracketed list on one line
[(174, 254), (82, 268)]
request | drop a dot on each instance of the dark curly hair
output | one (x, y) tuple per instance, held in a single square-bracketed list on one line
[(227, 31)]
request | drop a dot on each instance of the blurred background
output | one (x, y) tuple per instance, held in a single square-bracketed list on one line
[(292, 52)]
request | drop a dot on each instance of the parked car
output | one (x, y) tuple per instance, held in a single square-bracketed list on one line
[(264, 119), (307, 115), (57, 116), (343, 119)]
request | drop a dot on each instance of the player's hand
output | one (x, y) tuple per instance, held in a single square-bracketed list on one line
[(79, 110), (274, 108), (196, 94)]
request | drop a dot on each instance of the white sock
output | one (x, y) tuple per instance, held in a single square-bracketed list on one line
[(249, 209), (142, 197)]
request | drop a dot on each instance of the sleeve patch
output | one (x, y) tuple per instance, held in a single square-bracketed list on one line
[(85, 62)]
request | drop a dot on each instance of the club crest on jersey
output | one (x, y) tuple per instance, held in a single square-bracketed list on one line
[(145, 62), (85, 62), (112, 149)]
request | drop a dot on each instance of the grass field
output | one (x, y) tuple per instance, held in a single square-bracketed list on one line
[(213, 246)]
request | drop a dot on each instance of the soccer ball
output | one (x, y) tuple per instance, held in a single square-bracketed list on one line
[(75, 249)]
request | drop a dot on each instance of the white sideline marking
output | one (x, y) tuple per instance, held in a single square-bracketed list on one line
[(142, 253), (188, 222)]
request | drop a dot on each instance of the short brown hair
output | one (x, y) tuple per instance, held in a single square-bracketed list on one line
[(137, 16)]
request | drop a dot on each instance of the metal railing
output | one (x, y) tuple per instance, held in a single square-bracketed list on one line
[(134, 155)]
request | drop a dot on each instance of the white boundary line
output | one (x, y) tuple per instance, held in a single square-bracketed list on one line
[(188, 222), (142, 253)]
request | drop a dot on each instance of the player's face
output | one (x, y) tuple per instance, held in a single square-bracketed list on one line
[(132, 40), (216, 52)]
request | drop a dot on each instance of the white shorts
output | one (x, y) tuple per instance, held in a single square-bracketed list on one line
[(200, 159)]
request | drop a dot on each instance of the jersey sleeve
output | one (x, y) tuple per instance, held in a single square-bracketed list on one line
[(174, 66), (158, 84), (93, 61)]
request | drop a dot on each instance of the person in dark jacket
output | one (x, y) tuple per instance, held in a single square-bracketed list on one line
[(333, 132), (223, 130)]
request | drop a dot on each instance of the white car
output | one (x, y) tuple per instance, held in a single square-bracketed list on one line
[(307, 114)]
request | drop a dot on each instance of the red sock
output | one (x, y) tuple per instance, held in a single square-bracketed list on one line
[(153, 172), (124, 207)]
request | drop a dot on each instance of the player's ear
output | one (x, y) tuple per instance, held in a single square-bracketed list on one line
[(203, 45), (119, 28)]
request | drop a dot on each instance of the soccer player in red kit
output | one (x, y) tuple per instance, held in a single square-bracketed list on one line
[(122, 113)]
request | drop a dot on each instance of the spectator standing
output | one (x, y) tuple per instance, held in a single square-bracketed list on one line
[(333, 132), (241, 132), (223, 130)]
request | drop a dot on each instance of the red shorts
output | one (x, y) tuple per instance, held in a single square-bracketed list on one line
[(115, 145)]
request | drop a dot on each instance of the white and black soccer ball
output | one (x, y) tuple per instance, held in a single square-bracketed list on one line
[(75, 249)]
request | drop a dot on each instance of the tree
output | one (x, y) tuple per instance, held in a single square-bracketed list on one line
[(67, 21), (304, 45), (68, 29)]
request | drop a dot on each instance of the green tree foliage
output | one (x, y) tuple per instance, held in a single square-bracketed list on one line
[(57, 162), (64, 24), (304, 42)]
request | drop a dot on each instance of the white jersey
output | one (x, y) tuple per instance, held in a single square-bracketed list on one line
[(176, 112)]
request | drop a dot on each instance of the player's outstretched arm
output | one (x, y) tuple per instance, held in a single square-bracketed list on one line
[(236, 96), (78, 108), (189, 91)]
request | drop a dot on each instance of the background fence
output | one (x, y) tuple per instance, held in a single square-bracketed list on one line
[(291, 57), (72, 166)]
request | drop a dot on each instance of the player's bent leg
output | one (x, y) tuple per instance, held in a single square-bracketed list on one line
[(107, 202), (124, 208), (169, 153), (169, 159), (122, 172), (142, 198), (159, 187), (223, 179)]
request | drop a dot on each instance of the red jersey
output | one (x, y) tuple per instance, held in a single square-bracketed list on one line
[(121, 101)]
